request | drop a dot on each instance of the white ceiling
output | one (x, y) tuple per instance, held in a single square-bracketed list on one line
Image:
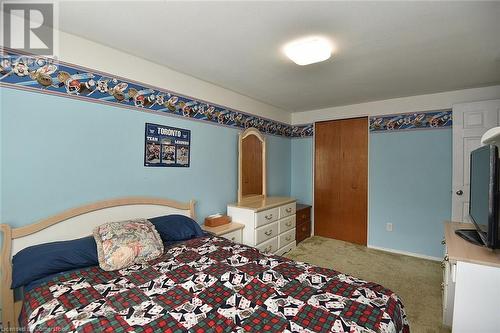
[(384, 49)]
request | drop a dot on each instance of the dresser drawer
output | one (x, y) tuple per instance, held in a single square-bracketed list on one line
[(285, 249), (286, 238), (303, 231), (303, 215), (269, 246), (286, 224), (234, 236), (287, 210), (266, 232), (267, 216)]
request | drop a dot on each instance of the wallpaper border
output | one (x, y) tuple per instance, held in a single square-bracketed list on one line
[(45, 75), (408, 121), (54, 77)]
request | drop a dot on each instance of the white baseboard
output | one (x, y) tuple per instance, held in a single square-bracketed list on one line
[(411, 254)]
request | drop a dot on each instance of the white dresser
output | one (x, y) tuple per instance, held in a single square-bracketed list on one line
[(269, 223), (231, 231), (471, 293)]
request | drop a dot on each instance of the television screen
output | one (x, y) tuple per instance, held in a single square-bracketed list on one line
[(481, 178)]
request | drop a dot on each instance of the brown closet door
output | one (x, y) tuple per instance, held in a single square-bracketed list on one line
[(340, 179)]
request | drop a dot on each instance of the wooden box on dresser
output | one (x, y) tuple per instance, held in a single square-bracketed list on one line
[(269, 223), (303, 228), (471, 284)]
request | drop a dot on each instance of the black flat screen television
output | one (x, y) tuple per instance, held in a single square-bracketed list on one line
[(484, 198)]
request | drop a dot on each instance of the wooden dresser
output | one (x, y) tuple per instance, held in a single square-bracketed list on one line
[(303, 228), (269, 223)]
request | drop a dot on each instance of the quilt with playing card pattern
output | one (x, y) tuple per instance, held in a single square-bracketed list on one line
[(210, 284)]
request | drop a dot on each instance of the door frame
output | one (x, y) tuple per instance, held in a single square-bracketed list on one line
[(313, 180)]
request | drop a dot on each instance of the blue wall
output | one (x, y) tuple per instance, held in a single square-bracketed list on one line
[(279, 157), (410, 187), (302, 158), (58, 153)]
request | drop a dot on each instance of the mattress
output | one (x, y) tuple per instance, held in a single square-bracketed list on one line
[(211, 284)]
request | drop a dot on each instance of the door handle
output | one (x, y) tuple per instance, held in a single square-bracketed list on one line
[(459, 192)]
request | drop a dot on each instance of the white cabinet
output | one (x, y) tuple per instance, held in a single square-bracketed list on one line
[(471, 284), (269, 223), (477, 298), (234, 236), (231, 231)]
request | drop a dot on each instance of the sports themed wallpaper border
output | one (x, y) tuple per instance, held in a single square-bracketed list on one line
[(50, 76), (412, 121)]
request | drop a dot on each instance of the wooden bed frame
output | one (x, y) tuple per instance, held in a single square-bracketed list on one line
[(71, 224)]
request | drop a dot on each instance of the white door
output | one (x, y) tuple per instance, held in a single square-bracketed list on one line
[(470, 121)]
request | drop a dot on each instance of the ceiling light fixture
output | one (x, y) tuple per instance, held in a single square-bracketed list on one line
[(308, 50)]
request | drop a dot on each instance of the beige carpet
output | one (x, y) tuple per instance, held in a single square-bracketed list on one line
[(416, 281)]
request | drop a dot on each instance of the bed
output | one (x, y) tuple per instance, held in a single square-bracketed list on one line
[(204, 284)]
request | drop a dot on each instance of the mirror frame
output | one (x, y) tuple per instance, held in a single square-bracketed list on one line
[(251, 131)]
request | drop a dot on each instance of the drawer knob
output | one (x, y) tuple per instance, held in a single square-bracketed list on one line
[(442, 285), (268, 249), (289, 210), (288, 224), (446, 258), (304, 228), (268, 217), (233, 238), (269, 232), (443, 264), (443, 242), (288, 238)]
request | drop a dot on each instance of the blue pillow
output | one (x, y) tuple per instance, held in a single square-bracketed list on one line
[(38, 261), (176, 227)]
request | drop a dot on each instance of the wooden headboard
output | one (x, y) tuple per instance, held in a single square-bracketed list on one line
[(71, 224)]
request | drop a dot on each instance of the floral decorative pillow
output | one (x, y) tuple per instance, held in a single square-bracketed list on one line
[(121, 244)]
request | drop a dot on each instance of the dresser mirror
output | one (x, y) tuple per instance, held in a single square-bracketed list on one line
[(251, 165)]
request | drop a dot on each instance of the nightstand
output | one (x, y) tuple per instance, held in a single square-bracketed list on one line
[(232, 231), (303, 222)]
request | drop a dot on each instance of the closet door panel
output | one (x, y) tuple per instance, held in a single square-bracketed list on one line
[(340, 181), (354, 180), (327, 176)]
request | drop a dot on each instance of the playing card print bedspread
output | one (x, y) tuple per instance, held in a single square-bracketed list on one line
[(210, 284)]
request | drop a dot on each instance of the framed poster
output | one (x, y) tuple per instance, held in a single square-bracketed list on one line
[(166, 146)]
